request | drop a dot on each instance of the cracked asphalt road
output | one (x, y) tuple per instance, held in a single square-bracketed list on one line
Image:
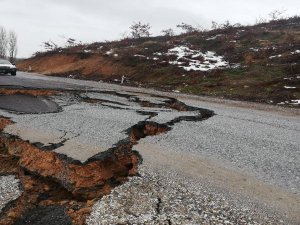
[(239, 166)]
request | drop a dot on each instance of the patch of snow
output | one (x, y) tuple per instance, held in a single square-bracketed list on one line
[(209, 60), (86, 51), (291, 78), (235, 65), (255, 49), (282, 103), (214, 37), (295, 52), (288, 87), (109, 52), (142, 56), (292, 102), (157, 53), (176, 91), (155, 58), (275, 56), (116, 55), (295, 102)]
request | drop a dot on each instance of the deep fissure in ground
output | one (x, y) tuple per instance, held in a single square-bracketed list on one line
[(68, 188)]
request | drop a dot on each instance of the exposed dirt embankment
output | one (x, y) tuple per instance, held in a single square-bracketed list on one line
[(89, 66), (257, 63), (50, 179), (59, 186)]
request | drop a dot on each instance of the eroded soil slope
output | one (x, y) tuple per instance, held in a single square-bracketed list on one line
[(254, 63)]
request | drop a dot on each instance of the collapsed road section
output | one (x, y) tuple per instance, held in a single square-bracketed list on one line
[(75, 147)]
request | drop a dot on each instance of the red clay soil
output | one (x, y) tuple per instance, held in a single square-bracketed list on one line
[(4, 91), (81, 180), (4, 122), (75, 186), (59, 63), (49, 179), (148, 129)]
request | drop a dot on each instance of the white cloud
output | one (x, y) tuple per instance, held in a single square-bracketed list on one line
[(36, 21)]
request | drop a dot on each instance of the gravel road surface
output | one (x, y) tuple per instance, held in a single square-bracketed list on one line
[(9, 190), (241, 166)]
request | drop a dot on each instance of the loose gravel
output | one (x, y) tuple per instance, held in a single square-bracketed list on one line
[(264, 144), (160, 196), (9, 190)]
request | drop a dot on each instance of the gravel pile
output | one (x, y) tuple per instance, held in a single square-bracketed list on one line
[(9, 190)]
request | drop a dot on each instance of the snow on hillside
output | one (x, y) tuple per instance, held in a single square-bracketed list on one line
[(190, 59)]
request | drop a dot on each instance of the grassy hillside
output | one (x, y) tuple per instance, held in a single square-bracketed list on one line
[(256, 63)]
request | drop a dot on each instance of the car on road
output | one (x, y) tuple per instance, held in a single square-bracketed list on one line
[(7, 67)]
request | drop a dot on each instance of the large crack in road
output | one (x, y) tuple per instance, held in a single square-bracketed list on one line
[(59, 174)]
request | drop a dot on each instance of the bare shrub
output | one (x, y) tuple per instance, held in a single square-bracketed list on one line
[(139, 30), (187, 28), (168, 32), (277, 14)]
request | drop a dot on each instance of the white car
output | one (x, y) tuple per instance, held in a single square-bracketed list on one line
[(6, 67)]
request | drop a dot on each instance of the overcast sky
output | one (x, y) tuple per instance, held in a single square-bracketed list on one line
[(36, 21)]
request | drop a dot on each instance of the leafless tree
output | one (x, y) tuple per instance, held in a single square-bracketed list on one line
[(139, 30), (168, 32), (260, 20), (188, 29), (277, 14), (226, 25), (71, 42), (50, 46), (12, 46), (3, 42), (214, 25)]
